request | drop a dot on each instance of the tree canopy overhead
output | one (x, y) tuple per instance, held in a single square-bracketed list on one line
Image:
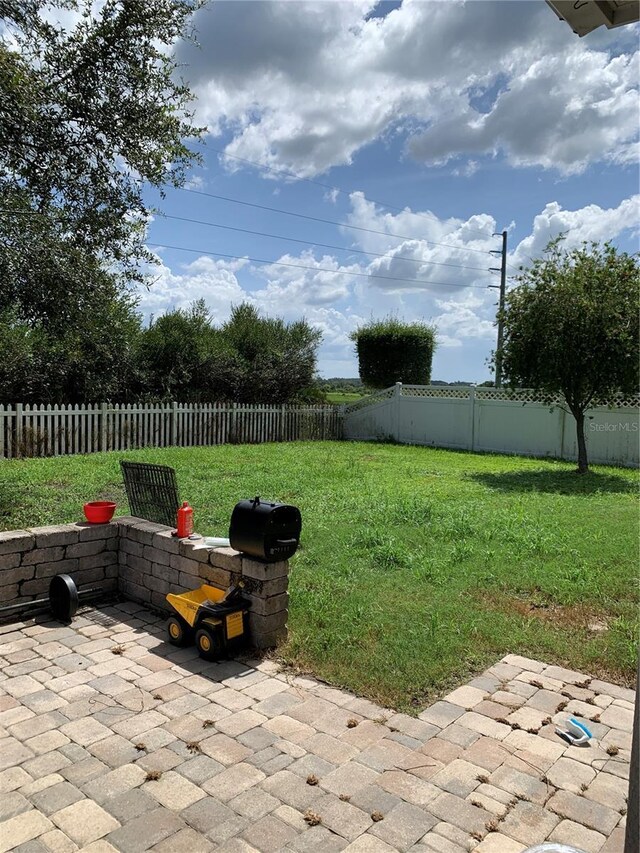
[(89, 112), (572, 326)]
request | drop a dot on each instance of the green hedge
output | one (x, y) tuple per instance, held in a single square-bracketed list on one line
[(391, 351)]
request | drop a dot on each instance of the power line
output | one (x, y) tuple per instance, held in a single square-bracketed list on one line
[(413, 281), (294, 239), (315, 243), (305, 242), (328, 221), (331, 187)]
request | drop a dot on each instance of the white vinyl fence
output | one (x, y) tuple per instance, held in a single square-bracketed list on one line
[(495, 421), (85, 428)]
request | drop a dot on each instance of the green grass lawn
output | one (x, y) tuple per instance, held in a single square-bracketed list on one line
[(344, 396), (417, 566)]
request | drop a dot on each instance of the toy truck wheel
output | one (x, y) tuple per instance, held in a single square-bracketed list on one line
[(208, 644), (179, 632)]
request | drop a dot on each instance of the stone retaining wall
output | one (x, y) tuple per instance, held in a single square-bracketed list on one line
[(152, 563), (144, 562), (30, 558)]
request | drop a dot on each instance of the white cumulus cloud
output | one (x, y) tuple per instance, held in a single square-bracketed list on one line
[(305, 85), (590, 223), (214, 281)]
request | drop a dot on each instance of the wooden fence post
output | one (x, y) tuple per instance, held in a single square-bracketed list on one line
[(174, 424), (103, 427), (17, 450), (233, 438)]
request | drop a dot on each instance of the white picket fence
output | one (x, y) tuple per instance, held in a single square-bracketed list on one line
[(61, 430), (495, 420)]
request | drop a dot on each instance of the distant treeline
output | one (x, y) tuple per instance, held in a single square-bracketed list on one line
[(352, 385)]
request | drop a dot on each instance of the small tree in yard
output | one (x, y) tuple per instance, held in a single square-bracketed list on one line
[(571, 326), (391, 351)]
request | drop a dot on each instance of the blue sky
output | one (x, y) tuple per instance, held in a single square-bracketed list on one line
[(463, 118)]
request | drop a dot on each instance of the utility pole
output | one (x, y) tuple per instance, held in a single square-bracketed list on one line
[(502, 287)]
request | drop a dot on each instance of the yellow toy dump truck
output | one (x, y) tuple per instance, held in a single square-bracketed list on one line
[(213, 619)]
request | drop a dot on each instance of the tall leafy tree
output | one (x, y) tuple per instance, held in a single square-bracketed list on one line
[(90, 113), (571, 326), (249, 359), (86, 353), (181, 357), (275, 361)]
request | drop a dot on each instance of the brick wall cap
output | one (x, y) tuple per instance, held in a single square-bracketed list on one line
[(51, 529), (226, 551), (88, 532), (141, 524), (151, 526), (88, 525), (126, 520), (12, 541), (7, 535)]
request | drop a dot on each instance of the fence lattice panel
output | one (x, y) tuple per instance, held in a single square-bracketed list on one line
[(463, 392)]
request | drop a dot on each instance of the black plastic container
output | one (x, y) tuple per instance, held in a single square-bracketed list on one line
[(267, 531)]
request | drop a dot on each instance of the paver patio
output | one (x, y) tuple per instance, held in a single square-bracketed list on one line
[(113, 740)]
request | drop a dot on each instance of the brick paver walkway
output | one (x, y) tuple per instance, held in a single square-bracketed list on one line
[(111, 739)]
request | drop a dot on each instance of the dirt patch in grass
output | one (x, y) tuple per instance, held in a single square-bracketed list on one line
[(57, 484), (582, 616), (581, 619), (116, 497)]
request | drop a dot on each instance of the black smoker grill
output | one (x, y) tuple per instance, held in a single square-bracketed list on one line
[(265, 530)]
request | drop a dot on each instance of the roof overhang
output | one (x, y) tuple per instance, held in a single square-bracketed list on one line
[(584, 16)]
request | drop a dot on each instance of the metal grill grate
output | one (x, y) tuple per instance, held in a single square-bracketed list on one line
[(152, 491)]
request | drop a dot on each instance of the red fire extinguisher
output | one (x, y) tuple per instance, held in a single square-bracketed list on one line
[(185, 521)]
